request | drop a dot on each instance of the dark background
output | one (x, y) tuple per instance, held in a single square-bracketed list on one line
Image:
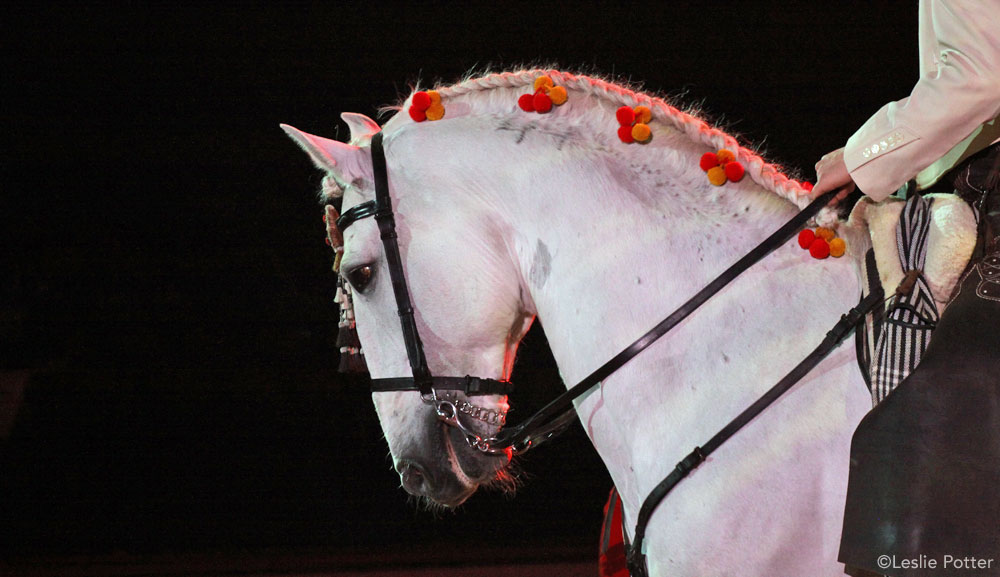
[(165, 292)]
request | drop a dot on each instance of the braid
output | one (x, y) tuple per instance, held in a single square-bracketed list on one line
[(763, 173)]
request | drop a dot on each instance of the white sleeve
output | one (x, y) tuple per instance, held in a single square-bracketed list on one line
[(906, 136)]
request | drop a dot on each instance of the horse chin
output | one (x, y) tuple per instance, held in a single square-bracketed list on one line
[(449, 481)]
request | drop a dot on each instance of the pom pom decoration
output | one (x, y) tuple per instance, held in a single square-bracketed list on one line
[(826, 234), (807, 186), (819, 248), (721, 167), (734, 171), (543, 82), (625, 134), (542, 102), (837, 247), (717, 175), (417, 115), (435, 112), (625, 116), (806, 238), (426, 106), (708, 160), (546, 95), (421, 100), (641, 133), (634, 124), (558, 95), (822, 242)]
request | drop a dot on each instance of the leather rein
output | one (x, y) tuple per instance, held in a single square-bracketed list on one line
[(559, 413)]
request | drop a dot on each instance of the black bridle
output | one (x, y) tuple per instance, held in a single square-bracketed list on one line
[(421, 380), (557, 415)]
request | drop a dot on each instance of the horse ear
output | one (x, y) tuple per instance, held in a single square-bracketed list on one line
[(345, 162), (362, 127)]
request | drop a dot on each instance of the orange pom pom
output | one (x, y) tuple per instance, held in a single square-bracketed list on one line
[(435, 112), (625, 134), (708, 160), (826, 234), (542, 82), (643, 114), (734, 171), (641, 133), (717, 175), (819, 248), (837, 247), (558, 95), (725, 156), (806, 238), (435, 97), (625, 116)]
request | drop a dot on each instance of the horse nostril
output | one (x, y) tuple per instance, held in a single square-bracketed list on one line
[(414, 477)]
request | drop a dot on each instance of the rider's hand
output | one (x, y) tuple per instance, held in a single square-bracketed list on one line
[(831, 174)]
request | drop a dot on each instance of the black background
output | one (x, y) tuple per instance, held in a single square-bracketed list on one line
[(164, 277)]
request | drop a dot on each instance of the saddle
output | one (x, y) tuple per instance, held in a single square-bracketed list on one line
[(924, 492), (919, 250)]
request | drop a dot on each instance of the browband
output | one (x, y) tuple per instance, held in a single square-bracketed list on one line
[(363, 210)]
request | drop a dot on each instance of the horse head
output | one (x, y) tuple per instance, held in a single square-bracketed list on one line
[(467, 299), (504, 211)]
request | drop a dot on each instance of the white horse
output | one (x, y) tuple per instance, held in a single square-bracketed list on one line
[(504, 215)]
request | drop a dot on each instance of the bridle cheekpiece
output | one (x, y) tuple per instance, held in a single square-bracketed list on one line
[(447, 405)]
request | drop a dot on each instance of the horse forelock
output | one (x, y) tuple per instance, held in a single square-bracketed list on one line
[(486, 94)]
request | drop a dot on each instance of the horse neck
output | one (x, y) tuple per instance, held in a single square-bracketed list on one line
[(610, 245), (614, 241)]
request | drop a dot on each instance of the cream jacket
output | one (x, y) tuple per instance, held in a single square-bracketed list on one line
[(953, 110)]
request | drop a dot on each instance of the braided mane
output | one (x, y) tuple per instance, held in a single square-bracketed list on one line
[(767, 175)]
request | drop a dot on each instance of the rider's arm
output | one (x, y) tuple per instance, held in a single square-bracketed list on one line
[(958, 90)]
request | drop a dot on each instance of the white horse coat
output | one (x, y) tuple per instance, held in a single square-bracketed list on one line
[(504, 215)]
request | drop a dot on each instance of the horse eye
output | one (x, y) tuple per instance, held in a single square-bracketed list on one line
[(360, 277)]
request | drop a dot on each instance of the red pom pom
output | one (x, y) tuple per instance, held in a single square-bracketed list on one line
[(625, 116), (734, 171), (542, 102), (527, 102), (417, 114), (421, 100), (625, 134), (806, 238), (807, 185), (708, 160), (819, 248)]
